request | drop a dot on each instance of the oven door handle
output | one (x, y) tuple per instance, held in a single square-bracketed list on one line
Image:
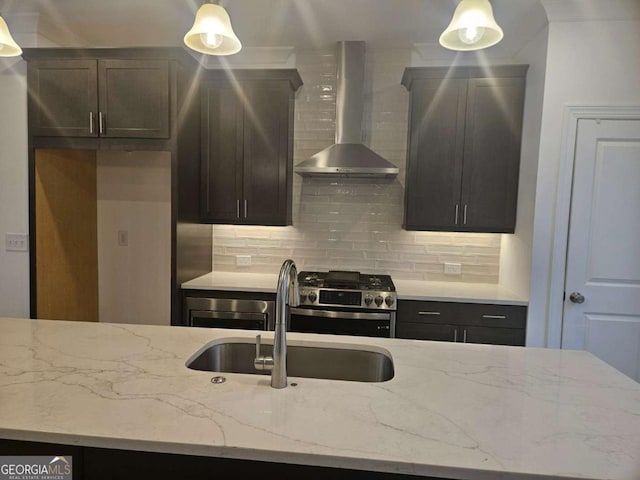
[(307, 312)]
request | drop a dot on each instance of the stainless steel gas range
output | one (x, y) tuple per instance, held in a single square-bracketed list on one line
[(345, 303)]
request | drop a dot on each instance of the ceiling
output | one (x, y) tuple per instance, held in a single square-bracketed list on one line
[(265, 23)]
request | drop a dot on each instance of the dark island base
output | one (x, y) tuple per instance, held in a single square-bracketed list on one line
[(108, 464)]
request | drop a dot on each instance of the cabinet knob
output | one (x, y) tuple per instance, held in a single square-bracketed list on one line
[(576, 297)]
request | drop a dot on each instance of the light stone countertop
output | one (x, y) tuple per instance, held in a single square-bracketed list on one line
[(452, 410), (406, 289)]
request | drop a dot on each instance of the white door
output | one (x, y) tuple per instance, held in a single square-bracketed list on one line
[(603, 257)]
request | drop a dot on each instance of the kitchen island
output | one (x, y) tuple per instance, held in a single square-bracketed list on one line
[(451, 410)]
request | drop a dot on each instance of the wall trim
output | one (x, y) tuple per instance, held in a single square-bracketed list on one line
[(571, 116)]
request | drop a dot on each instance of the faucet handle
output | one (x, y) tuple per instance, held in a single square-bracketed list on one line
[(258, 345), (294, 293), (261, 362)]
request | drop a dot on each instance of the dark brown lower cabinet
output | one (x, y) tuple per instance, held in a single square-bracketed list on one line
[(462, 322), (109, 464)]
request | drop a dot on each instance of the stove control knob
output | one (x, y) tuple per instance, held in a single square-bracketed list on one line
[(368, 299), (378, 300), (312, 297), (388, 301), (303, 297)]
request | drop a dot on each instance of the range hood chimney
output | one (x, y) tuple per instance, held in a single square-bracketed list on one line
[(348, 157)]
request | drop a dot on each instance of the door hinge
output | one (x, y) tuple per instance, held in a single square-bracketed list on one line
[(564, 296)]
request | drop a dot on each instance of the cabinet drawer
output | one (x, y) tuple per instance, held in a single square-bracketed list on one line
[(427, 312), (487, 315)]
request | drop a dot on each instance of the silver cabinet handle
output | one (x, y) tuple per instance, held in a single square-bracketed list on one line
[(238, 208), (245, 208), (428, 313), (457, 209), (464, 215), (494, 316), (576, 297), (101, 119), (464, 336), (91, 123), (455, 335)]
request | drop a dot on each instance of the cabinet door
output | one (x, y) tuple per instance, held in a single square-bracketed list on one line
[(221, 167), (492, 335), (63, 98), (134, 98), (427, 331), (266, 152), (435, 154), (492, 154)]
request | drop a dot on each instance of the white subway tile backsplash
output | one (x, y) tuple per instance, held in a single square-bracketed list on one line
[(355, 224), (223, 241), (421, 258), (428, 267)]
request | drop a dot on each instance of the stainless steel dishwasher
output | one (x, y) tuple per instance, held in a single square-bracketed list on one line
[(229, 313)]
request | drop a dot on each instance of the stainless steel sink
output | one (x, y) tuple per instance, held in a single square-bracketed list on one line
[(357, 363)]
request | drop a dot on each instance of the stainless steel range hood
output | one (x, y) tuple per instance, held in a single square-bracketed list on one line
[(348, 157)]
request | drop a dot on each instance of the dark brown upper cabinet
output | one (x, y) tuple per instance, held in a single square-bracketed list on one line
[(463, 156), (109, 98), (247, 146)]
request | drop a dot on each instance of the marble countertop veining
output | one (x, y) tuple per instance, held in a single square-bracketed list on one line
[(452, 410), (406, 289)]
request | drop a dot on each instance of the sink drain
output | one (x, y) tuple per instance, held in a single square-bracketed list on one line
[(218, 380)]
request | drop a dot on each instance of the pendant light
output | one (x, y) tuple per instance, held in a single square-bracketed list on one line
[(472, 27), (212, 33), (8, 46)]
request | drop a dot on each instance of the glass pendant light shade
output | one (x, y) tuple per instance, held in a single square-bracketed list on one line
[(8, 46), (212, 33), (472, 27)]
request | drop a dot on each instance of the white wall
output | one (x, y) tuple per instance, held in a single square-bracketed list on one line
[(515, 254), (134, 195), (589, 62), (14, 201), (14, 184)]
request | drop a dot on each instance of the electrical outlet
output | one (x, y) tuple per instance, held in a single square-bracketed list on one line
[(452, 269), (243, 260), (16, 242)]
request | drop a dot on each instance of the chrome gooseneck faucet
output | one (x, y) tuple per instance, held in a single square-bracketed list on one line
[(286, 295)]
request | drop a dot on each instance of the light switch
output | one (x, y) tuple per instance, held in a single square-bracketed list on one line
[(16, 242), (123, 238)]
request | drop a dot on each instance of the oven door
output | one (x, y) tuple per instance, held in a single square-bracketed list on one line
[(342, 322), (229, 313)]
